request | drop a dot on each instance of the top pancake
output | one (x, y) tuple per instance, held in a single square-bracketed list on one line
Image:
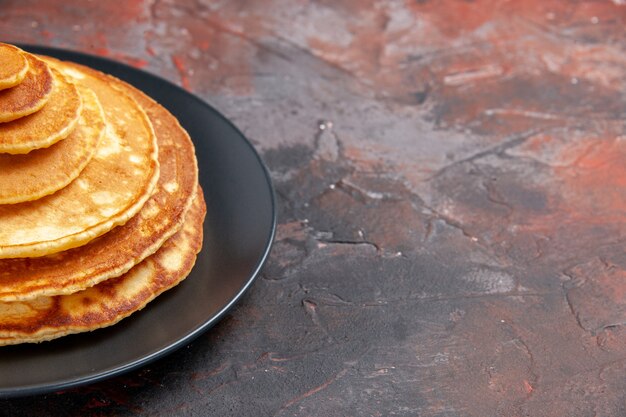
[(46, 318), (120, 249), (13, 66), (44, 171), (110, 190), (29, 95), (47, 126)]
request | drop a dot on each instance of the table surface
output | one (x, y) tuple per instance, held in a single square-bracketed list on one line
[(451, 182)]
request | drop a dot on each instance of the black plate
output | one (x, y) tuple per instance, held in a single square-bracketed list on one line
[(238, 233)]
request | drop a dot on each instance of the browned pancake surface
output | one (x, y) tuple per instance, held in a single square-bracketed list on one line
[(45, 171), (29, 95), (121, 248), (13, 66), (47, 126), (112, 188)]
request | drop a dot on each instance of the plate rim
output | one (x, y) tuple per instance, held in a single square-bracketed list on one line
[(96, 376)]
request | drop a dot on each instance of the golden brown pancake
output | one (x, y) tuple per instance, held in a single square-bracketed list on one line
[(47, 318), (13, 66), (47, 126), (109, 191), (45, 171), (118, 250), (29, 95)]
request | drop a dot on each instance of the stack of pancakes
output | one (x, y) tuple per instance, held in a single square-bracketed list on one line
[(100, 207)]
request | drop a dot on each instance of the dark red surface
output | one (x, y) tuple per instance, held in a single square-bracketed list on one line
[(451, 177)]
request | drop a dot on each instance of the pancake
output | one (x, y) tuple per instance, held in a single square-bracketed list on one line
[(47, 318), (109, 191), (29, 95), (45, 171), (14, 66), (120, 249), (52, 123)]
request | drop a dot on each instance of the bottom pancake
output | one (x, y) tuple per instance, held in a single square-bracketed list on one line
[(47, 318)]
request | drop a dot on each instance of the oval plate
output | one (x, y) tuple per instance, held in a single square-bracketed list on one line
[(238, 233)]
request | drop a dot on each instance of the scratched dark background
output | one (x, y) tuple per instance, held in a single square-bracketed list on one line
[(451, 180)]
